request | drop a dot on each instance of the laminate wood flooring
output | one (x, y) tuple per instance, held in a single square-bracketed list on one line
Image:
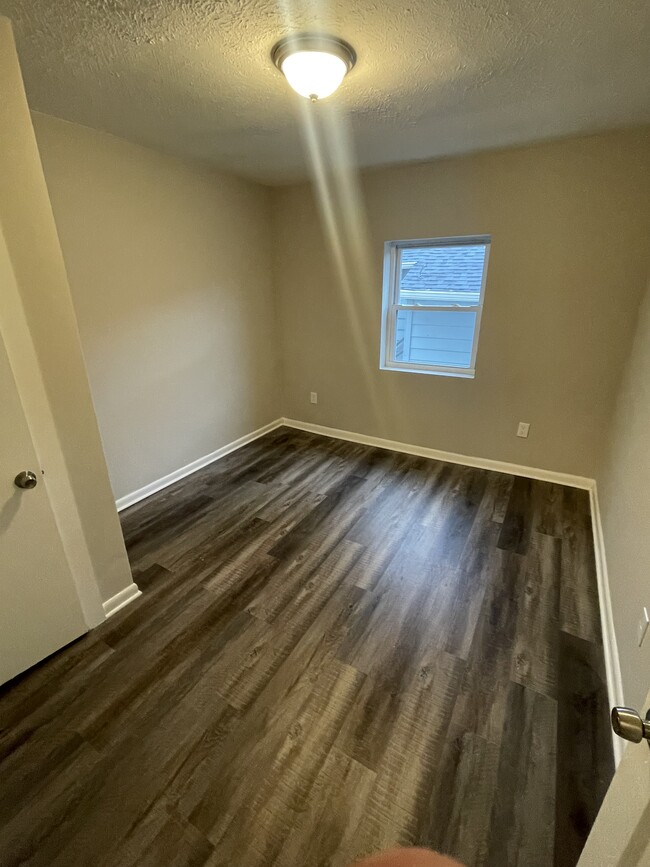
[(338, 648)]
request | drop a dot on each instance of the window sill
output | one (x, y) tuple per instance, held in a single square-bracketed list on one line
[(461, 373)]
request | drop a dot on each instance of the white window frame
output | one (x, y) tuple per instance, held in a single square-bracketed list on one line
[(391, 307)]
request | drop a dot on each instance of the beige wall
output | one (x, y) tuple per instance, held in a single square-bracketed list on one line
[(569, 221), (624, 494), (170, 270), (45, 353)]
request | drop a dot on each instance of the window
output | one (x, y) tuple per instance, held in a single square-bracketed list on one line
[(433, 298)]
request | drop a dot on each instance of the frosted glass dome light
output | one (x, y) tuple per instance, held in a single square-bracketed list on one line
[(314, 66), (314, 74)]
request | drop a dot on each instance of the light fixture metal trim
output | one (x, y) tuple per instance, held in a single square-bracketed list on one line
[(313, 42)]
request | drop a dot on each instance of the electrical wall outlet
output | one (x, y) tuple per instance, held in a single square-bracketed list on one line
[(642, 628), (313, 397), (522, 429)]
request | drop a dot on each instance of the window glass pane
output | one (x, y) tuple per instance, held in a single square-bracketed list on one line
[(441, 275), (439, 337)]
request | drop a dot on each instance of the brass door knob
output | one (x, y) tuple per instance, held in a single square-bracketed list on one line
[(26, 480), (627, 723)]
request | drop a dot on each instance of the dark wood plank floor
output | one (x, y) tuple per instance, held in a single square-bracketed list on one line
[(338, 648)]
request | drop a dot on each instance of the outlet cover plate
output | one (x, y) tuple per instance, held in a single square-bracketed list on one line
[(523, 428)]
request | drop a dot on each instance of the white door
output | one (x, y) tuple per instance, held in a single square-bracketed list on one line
[(39, 607), (620, 836)]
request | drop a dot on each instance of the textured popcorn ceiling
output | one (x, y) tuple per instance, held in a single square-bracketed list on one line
[(433, 77)]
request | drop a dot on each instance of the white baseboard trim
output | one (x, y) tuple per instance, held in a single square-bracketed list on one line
[(153, 487), (121, 599), (449, 457), (610, 646)]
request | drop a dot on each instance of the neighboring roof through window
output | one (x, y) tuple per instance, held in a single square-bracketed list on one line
[(442, 270)]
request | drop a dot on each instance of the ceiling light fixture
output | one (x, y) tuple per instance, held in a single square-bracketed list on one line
[(313, 65)]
